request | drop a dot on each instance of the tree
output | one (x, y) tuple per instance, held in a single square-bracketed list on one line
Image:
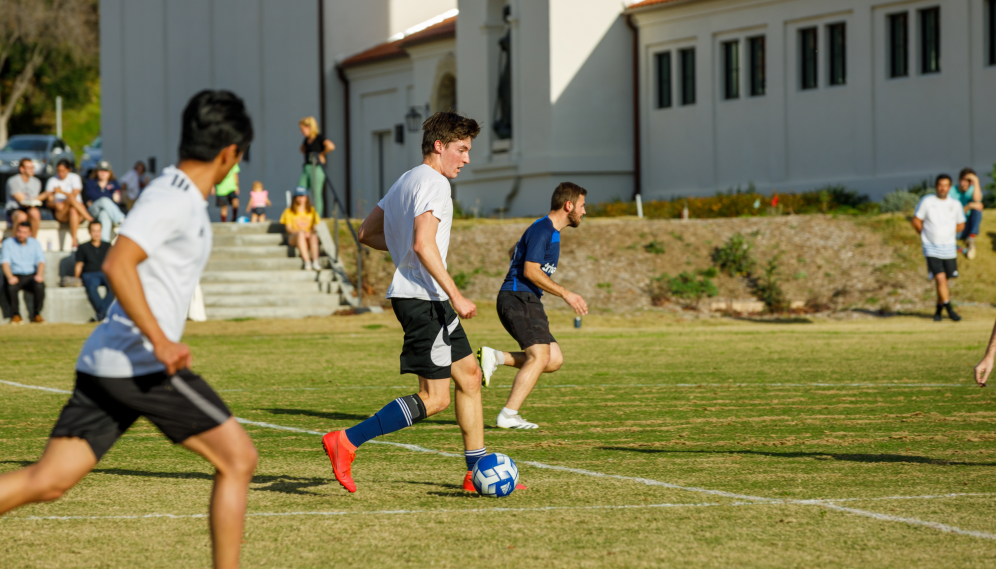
[(38, 31)]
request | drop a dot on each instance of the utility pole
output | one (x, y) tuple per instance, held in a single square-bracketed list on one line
[(58, 117)]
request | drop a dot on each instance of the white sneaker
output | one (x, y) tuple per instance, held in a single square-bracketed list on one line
[(514, 422), (307, 266), (316, 266), (488, 362)]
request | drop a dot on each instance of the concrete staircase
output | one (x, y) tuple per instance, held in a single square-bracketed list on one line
[(253, 274)]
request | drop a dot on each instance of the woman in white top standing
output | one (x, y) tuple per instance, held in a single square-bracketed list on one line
[(65, 188)]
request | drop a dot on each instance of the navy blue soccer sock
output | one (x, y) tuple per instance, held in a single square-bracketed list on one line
[(472, 456), (396, 415)]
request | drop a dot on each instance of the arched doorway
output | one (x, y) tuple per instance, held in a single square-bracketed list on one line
[(446, 93)]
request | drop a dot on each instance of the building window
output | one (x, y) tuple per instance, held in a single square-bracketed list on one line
[(898, 45), (687, 76), (838, 53), (758, 79), (807, 56), (991, 27), (731, 70), (930, 40), (662, 66)]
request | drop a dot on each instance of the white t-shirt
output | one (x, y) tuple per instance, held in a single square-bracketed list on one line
[(940, 226), (170, 223), (417, 191), (70, 184)]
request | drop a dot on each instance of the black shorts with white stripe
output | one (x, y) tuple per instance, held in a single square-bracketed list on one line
[(101, 408)]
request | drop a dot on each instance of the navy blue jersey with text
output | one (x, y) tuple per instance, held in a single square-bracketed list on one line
[(539, 244)]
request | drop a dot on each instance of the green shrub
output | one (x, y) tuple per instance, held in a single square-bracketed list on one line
[(687, 287), (768, 290), (461, 280), (734, 257), (899, 201), (655, 247)]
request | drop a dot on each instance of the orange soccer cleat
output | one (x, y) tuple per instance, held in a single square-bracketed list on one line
[(342, 453)]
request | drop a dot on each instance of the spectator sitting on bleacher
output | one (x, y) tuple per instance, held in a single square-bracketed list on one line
[(133, 183), (23, 263), (24, 197), (89, 263), (102, 194), (299, 220), (64, 201)]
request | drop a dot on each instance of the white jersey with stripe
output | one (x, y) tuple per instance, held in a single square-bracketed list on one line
[(170, 223)]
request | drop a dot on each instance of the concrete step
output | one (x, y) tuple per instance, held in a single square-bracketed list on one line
[(267, 277), (252, 239), (313, 299), (252, 252), (256, 288), (225, 313), (246, 228), (267, 264)]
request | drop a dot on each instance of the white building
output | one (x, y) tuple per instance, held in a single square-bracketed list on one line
[(278, 55), (787, 94), (794, 94)]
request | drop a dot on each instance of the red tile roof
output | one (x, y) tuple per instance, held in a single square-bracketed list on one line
[(649, 3), (395, 49)]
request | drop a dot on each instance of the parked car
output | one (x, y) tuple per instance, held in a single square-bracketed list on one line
[(45, 150), (91, 155)]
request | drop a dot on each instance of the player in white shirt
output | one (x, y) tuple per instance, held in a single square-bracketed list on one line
[(133, 363), (64, 198), (413, 222), (939, 219)]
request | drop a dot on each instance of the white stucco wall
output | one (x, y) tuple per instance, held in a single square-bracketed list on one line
[(874, 133), (571, 102), (155, 54)]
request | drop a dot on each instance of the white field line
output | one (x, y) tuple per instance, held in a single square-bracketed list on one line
[(646, 481), (499, 510), (38, 387), (384, 512), (619, 385)]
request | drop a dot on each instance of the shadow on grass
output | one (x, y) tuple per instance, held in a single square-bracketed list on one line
[(883, 314), (344, 416), (775, 320), (882, 458), (282, 484)]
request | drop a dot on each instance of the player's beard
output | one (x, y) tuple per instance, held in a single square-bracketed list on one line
[(574, 218)]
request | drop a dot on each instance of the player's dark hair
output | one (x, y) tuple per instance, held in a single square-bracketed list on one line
[(942, 177), (965, 172), (212, 121), (566, 192), (24, 224), (447, 127), (95, 222), (23, 161), (65, 163)]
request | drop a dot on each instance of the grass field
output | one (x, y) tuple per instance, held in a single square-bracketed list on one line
[(723, 443)]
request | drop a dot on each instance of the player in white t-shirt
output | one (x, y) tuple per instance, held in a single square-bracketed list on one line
[(939, 219), (413, 222), (133, 363), (64, 198)]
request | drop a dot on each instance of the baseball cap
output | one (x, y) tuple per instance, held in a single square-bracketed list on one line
[(300, 191), (103, 165)]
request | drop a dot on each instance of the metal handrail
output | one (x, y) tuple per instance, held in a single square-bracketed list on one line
[(337, 206)]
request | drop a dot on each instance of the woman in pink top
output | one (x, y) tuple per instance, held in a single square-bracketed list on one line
[(259, 200)]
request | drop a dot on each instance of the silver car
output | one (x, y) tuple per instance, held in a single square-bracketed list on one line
[(91, 155), (45, 150)]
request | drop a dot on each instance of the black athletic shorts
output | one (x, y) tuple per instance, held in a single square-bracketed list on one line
[(259, 210), (102, 408), (937, 266), (434, 338), (227, 199), (522, 314)]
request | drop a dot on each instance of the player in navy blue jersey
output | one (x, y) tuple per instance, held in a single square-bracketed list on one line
[(534, 261)]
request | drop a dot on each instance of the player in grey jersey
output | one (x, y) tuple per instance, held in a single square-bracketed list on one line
[(133, 363)]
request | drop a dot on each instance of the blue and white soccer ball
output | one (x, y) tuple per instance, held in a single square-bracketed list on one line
[(495, 475)]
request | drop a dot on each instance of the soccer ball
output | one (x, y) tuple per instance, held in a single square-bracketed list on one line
[(495, 475)]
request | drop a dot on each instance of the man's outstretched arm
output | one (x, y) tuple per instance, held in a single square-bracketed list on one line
[(121, 269), (372, 230), (985, 367), (535, 274), (426, 226)]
